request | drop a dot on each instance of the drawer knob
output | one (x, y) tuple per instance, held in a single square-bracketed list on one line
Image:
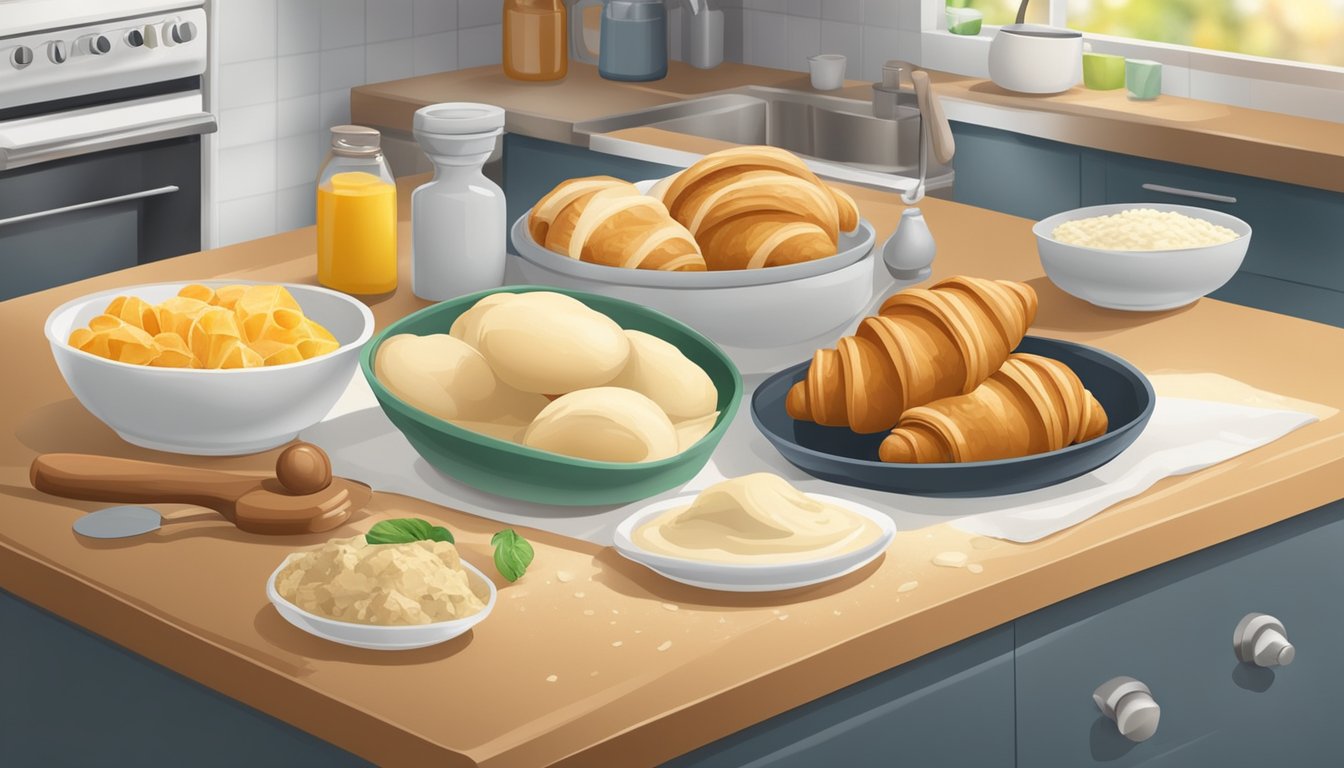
[(1130, 704), (1260, 639)]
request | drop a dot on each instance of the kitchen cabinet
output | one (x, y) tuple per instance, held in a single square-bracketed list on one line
[(1020, 175), (919, 715), (1171, 627)]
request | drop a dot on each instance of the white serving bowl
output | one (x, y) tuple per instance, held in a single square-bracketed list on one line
[(1035, 58), (378, 638), (1141, 281), (735, 577), (211, 412)]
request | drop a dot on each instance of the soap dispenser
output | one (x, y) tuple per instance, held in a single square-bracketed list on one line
[(909, 251)]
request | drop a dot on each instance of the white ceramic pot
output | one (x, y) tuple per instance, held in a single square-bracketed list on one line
[(1035, 58)]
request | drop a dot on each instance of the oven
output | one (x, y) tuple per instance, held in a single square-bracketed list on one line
[(102, 115)]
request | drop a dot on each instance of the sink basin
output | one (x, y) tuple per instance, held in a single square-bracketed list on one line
[(823, 128)]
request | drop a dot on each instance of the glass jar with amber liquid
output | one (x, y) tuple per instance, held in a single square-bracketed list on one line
[(535, 40)]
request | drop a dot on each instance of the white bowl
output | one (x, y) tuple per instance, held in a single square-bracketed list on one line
[(379, 638), (734, 577), (1035, 58), (748, 308), (211, 412), (1141, 281)]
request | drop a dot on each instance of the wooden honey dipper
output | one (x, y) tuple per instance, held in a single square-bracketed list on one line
[(303, 497)]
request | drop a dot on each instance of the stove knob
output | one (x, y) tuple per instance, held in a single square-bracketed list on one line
[(94, 44), (56, 51), (184, 32), (167, 33), (21, 57), (135, 38), (150, 33)]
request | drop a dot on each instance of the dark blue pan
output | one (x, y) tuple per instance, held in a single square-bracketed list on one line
[(841, 456)]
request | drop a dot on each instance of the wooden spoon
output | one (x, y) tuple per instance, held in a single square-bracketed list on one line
[(302, 497)]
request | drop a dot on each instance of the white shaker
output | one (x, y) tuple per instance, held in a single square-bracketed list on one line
[(909, 253), (458, 219)]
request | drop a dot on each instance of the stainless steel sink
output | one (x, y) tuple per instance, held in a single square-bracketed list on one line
[(825, 128)]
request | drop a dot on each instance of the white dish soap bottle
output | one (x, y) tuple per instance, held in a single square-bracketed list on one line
[(458, 237)]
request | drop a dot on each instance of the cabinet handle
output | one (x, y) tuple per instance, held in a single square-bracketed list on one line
[(1177, 191), (1130, 704), (168, 190), (1260, 639)]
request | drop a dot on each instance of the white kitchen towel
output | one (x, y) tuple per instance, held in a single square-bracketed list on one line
[(1184, 435)]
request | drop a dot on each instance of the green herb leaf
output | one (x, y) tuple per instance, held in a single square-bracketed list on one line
[(406, 529), (512, 554)]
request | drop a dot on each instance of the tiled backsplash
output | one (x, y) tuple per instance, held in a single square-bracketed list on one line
[(285, 69)]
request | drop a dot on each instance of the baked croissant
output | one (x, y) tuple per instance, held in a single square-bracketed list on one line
[(607, 221), (1031, 405), (923, 345)]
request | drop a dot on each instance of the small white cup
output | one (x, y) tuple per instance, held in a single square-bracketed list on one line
[(828, 71)]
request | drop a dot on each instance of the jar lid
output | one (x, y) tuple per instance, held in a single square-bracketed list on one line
[(458, 118), (354, 140)]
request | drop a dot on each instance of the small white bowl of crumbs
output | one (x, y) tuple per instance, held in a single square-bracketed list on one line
[(1141, 257)]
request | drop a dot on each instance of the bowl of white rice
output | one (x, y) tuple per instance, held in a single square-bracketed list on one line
[(1141, 257)]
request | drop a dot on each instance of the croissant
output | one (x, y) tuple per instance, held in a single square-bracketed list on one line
[(607, 221), (923, 345), (1031, 405)]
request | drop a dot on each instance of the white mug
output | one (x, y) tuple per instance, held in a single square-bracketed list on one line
[(828, 71)]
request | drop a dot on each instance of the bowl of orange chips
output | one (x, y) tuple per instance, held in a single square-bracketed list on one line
[(213, 368)]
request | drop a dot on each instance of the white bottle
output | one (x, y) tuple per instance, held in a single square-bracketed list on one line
[(909, 253), (458, 219)]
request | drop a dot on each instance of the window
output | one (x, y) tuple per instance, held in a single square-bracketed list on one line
[(1309, 31)]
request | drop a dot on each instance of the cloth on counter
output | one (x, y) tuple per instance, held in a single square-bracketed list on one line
[(1184, 435)]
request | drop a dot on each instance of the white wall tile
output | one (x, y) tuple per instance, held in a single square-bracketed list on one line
[(298, 115), (881, 13), (247, 30), (732, 34), (391, 60), (435, 53), (246, 171), (298, 159), (246, 83), (479, 46), (847, 39), (247, 125), (850, 11), (480, 13), (342, 68), (342, 23), (433, 17), (1175, 80), (879, 45), (807, 8), (804, 40), (387, 20), (295, 207), (931, 15), (766, 35), (334, 108), (298, 75), (299, 27), (246, 219)]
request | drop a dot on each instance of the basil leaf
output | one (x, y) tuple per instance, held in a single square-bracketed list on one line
[(512, 554), (406, 529)]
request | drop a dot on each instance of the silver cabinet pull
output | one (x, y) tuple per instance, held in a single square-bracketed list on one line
[(1177, 191), (156, 192)]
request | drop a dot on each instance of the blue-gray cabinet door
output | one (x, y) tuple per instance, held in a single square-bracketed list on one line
[(1014, 174), (950, 709), (1172, 628)]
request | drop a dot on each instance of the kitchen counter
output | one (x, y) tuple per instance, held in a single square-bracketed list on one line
[(543, 681), (1294, 150)]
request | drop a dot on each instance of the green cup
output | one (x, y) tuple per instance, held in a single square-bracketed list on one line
[(1143, 79), (1103, 71)]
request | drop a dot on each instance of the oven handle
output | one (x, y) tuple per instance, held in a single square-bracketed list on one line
[(141, 195), (176, 127)]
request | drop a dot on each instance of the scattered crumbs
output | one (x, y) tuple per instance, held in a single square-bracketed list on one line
[(613, 610), (722, 620), (907, 586), (975, 568), (671, 606), (616, 644), (783, 617), (612, 622), (515, 595), (588, 612), (775, 611), (551, 678), (578, 594), (836, 612), (564, 576), (548, 581), (593, 673), (665, 645), (637, 631), (982, 542), (872, 585), (950, 559)]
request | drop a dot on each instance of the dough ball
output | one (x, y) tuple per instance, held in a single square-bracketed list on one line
[(445, 377), (690, 431), (604, 424), (658, 370), (551, 344), (467, 326)]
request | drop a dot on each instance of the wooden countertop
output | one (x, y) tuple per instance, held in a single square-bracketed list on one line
[(1295, 150), (191, 595)]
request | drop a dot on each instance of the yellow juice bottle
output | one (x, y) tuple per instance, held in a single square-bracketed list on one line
[(356, 215)]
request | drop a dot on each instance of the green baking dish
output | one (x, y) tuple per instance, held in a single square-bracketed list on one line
[(519, 472)]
